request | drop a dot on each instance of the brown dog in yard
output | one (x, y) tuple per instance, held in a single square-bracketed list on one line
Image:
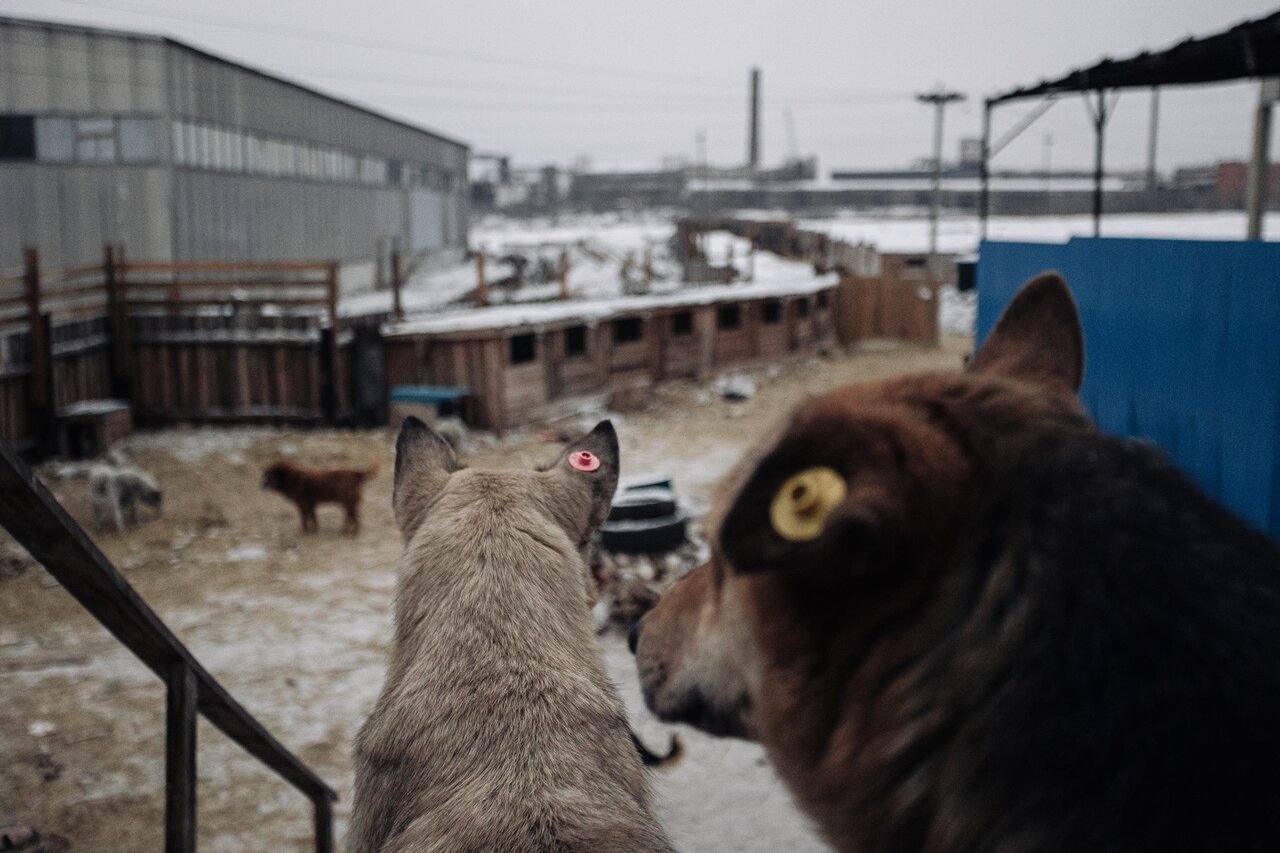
[(497, 728), (960, 618), (308, 488)]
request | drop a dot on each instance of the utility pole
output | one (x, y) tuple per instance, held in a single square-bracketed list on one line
[(939, 98), (1152, 178), (1256, 192), (753, 127), (1048, 162)]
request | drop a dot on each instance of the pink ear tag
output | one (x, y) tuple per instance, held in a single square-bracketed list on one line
[(584, 460)]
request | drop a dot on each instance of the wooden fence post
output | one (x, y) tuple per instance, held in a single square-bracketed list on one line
[(329, 394), (482, 286), (40, 357), (123, 336), (397, 307), (564, 274), (379, 263), (114, 313), (180, 760)]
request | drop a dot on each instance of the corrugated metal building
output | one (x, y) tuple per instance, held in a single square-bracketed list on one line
[(128, 138)]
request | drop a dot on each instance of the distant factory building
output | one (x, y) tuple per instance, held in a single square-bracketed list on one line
[(129, 138)]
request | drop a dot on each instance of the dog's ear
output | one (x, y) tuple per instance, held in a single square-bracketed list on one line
[(582, 482), (1038, 338), (828, 498), (424, 462)]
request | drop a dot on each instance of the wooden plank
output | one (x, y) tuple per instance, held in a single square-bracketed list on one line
[(67, 273), (180, 759), (52, 293), (39, 523), (224, 266), (282, 376), (227, 283), (37, 343)]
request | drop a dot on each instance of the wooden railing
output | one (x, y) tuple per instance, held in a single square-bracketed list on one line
[(39, 523)]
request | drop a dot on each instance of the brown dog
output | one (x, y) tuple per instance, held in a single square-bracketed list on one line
[(308, 488), (960, 618)]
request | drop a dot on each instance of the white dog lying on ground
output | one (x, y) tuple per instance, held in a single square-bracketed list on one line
[(116, 490)]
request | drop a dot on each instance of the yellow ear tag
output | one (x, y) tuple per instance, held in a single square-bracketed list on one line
[(801, 506)]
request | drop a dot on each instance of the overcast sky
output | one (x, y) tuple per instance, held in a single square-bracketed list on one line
[(629, 83)]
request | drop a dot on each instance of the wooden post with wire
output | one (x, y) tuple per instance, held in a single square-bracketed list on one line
[(482, 286), (397, 306), (564, 274), (39, 359), (329, 396)]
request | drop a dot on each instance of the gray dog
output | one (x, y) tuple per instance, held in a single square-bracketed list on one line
[(116, 491), (497, 727)]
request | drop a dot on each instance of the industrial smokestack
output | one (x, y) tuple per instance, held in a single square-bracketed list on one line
[(753, 130)]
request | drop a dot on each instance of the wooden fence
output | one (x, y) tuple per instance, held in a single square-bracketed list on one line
[(887, 307), (181, 341), (55, 339), (230, 341)]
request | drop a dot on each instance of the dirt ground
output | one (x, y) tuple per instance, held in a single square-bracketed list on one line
[(296, 628)]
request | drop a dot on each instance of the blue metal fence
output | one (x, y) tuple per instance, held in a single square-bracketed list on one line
[(1182, 347)]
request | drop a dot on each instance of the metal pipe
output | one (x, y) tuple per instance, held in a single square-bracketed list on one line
[(753, 131), (984, 171), (1099, 126), (1256, 190), (1151, 138)]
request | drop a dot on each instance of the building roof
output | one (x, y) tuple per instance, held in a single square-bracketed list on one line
[(592, 311), (181, 45), (1249, 49)]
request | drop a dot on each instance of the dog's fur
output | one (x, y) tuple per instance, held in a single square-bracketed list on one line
[(1014, 633), (308, 488), (117, 490), (497, 727)]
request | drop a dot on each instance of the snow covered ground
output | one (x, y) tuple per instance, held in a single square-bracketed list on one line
[(598, 246)]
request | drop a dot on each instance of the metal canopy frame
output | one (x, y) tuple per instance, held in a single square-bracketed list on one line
[(1248, 50)]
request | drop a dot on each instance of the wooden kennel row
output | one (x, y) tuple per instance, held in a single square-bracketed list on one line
[(518, 373)]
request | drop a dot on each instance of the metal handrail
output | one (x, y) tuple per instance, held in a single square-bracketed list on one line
[(39, 523)]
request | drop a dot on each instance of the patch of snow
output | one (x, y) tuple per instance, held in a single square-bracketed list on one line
[(735, 387), (246, 554), (957, 312), (191, 446), (775, 277)]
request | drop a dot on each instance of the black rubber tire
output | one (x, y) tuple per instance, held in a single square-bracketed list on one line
[(643, 503), (644, 536)]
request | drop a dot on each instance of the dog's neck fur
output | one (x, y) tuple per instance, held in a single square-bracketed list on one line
[(498, 727)]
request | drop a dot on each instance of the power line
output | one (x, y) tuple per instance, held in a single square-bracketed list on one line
[(395, 46), (449, 53)]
